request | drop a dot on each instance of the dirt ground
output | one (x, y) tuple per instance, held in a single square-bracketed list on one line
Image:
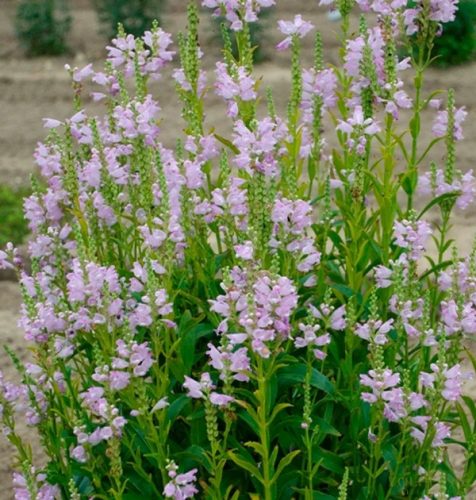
[(31, 89)]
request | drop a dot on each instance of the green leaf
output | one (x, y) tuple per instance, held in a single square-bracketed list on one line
[(463, 418), (297, 374), (227, 143), (199, 455), (326, 428), (471, 406), (329, 461), (472, 358), (438, 201), (84, 485), (415, 125), (284, 462), (257, 447), (247, 464), (435, 268), (190, 335), (235, 496), (175, 408), (343, 289), (248, 419), (399, 141), (278, 409)]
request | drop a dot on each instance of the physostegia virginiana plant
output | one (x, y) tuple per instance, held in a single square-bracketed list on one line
[(251, 314)]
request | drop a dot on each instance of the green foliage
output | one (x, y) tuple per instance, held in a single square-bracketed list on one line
[(135, 15), (13, 226), (457, 44), (42, 26)]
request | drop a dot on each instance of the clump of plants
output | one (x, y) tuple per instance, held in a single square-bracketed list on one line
[(43, 26), (457, 43), (136, 16), (253, 315), (13, 225)]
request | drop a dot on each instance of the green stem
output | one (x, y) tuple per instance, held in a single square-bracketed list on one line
[(415, 128), (388, 197), (375, 458), (308, 434), (263, 428)]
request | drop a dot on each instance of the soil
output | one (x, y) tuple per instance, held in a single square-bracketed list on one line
[(31, 89)]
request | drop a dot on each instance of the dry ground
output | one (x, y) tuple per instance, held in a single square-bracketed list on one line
[(33, 89)]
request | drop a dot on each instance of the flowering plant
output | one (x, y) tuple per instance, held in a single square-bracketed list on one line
[(254, 315)]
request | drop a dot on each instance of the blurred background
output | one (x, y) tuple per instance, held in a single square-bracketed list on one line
[(38, 37)]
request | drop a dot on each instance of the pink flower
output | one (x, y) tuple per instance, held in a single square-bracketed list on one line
[(443, 11), (298, 27), (379, 382), (196, 389), (4, 261), (383, 276), (451, 380), (420, 431), (412, 236), (394, 408), (141, 359), (220, 399), (180, 486), (322, 84), (453, 383), (79, 454), (118, 380), (337, 319), (82, 74), (141, 316), (244, 251), (440, 124), (257, 147), (51, 123), (375, 331), (309, 338), (194, 175), (358, 124), (241, 85), (433, 183), (410, 17), (234, 10), (160, 405), (193, 387)]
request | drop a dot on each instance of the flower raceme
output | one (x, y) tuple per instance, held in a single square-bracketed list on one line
[(299, 28), (250, 312)]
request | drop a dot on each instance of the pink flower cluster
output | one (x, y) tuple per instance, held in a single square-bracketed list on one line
[(298, 27), (44, 490), (434, 184), (292, 232), (234, 84), (412, 236), (204, 389), (259, 148), (440, 123), (237, 11), (263, 306), (132, 360), (180, 486), (152, 53)]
